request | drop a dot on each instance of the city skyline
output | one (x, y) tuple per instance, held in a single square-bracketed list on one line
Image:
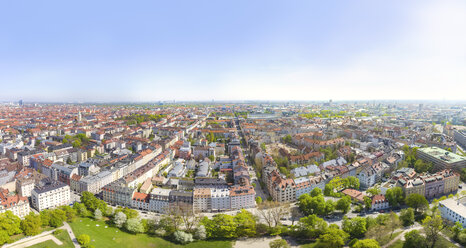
[(199, 51)]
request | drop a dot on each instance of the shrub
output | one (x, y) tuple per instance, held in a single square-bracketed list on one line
[(182, 237), (83, 239)]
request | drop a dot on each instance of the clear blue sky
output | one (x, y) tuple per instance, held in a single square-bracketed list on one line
[(232, 50)]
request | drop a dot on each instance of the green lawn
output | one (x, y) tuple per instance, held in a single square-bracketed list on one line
[(63, 237), (112, 237)]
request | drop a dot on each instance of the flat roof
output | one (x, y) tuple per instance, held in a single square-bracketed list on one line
[(455, 206), (442, 154)]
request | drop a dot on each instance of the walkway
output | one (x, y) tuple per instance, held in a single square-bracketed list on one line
[(42, 237), (402, 235), (26, 242), (67, 227)]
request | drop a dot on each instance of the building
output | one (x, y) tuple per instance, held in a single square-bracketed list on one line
[(140, 201), (117, 193), (159, 200), (354, 194), (242, 197), (460, 137), (442, 159), (429, 185), (50, 194), (379, 202), (202, 200), (454, 210), (17, 204), (220, 199), (24, 186)]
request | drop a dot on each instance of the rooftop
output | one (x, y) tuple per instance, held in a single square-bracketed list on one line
[(442, 154)]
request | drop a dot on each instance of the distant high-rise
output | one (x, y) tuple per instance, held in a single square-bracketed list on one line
[(20, 102)]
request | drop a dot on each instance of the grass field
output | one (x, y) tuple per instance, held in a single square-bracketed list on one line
[(112, 237), (63, 237)]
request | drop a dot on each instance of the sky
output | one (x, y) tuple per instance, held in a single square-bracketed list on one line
[(197, 50)]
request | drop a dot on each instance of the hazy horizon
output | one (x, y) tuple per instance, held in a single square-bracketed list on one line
[(194, 51)]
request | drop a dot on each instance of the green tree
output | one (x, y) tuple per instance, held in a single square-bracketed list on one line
[(311, 226), (80, 209), (373, 191), (10, 223), (432, 227), (245, 224), (316, 192), (220, 226), (393, 223), (344, 204), (278, 243), (70, 213), (258, 200), (463, 175), (353, 182), (92, 203), (83, 239), (367, 202), (332, 238), (355, 227), (414, 239), (407, 216), (417, 201), (366, 243), (420, 166), (45, 217), (4, 237), (31, 224), (395, 196), (57, 217)]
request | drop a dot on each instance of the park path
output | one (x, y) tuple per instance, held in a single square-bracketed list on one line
[(25, 242), (401, 235), (262, 242), (44, 236), (67, 227)]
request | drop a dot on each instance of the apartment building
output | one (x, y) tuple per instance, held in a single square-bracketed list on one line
[(454, 210), (220, 199), (17, 204), (442, 159), (242, 197), (202, 199), (50, 194)]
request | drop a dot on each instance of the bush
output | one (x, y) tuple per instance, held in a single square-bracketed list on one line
[(182, 237), (119, 219), (58, 231), (134, 225), (201, 233), (97, 214), (278, 243), (83, 239)]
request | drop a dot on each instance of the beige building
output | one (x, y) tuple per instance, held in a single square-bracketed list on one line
[(17, 204), (202, 200)]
